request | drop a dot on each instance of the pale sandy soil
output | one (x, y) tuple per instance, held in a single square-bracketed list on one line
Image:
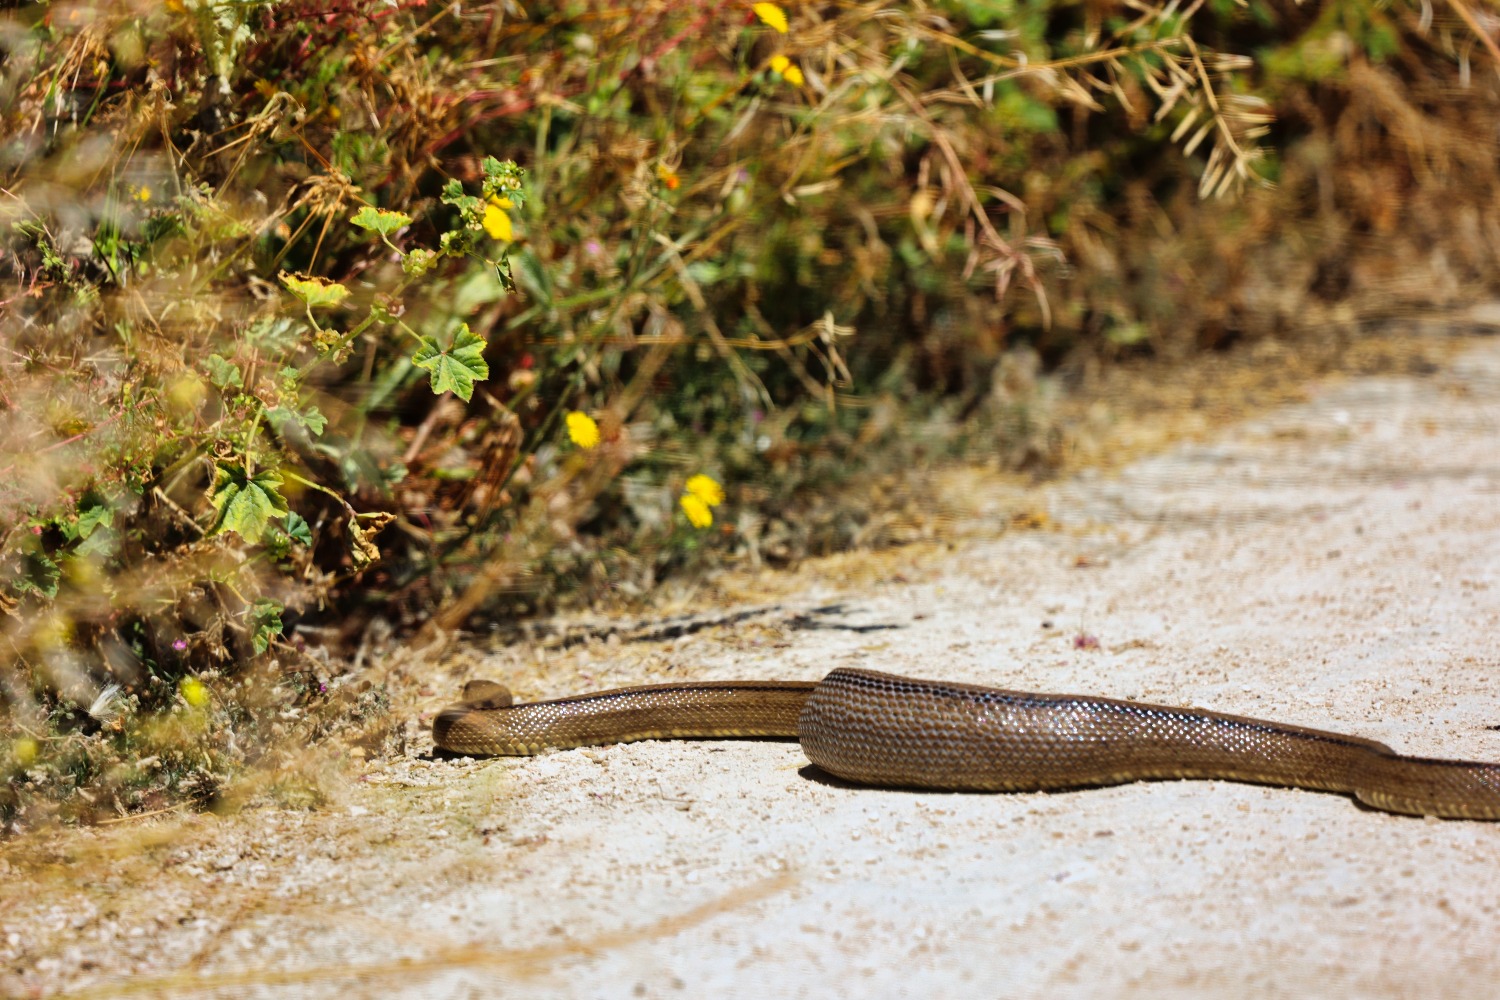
[(1334, 564)]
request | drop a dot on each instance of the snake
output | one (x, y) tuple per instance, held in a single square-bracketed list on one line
[(871, 728)]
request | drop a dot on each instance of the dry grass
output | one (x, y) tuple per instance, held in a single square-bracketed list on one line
[(804, 264)]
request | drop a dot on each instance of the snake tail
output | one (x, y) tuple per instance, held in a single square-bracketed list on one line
[(881, 729)]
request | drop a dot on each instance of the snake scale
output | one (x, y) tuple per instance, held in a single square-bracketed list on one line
[(880, 729)]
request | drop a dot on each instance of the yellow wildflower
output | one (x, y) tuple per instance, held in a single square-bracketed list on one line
[(193, 692), (696, 510), (788, 70), (141, 194), (497, 222), (668, 176), (707, 489), (771, 14), (583, 430), (24, 750)]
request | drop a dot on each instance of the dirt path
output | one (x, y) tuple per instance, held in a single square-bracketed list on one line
[(1335, 564)]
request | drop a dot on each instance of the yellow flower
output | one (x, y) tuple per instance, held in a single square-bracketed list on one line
[(668, 176), (696, 510), (141, 194), (707, 489), (771, 14), (496, 222), (582, 429), (788, 70), (193, 692), (24, 750)]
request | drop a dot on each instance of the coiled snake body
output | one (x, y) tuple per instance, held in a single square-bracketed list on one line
[(879, 729)]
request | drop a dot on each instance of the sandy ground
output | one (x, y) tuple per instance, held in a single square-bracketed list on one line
[(1334, 564)]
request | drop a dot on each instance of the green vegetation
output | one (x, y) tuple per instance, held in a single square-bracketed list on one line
[(314, 312)]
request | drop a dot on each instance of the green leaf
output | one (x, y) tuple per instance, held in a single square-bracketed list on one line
[(41, 576), (297, 528), (265, 617), (275, 333), (456, 369), (476, 290), (245, 503), (380, 221), (279, 416), (453, 194), (311, 418), (89, 519), (93, 541), (224, 374), (100, 543), (533, 279), (315, 292)]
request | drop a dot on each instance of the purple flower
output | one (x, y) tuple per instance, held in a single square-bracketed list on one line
[(179, 644)]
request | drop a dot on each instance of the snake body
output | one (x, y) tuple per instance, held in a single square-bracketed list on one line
[(880, 729)]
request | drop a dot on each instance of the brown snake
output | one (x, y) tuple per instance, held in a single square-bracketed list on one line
[(880, 729)]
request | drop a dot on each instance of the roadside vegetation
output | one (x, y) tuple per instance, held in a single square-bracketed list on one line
[(325, 316)]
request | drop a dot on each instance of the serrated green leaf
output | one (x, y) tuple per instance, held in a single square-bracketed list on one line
[(279, 416), (245, 503), (311, 418), (99, 543), (297, 528), (456, 369), (90, 519), (533, 278), (380, 221), (223, 373), (317, 293), (275, 333), (453, 194), (41, 576), (265, 617)]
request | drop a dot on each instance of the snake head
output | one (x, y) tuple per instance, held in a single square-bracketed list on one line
[(487, 694)]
